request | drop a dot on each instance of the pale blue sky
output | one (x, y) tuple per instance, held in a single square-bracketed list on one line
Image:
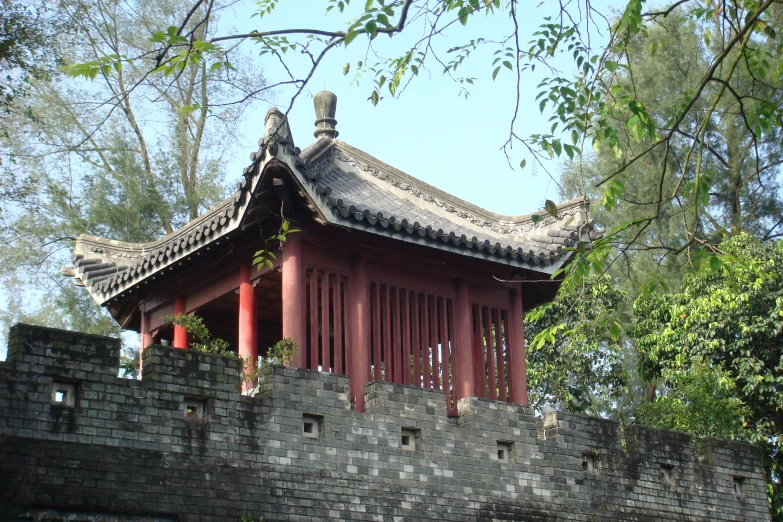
[(431, 132)]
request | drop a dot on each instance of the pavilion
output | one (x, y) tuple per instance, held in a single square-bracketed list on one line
[(388, 279)]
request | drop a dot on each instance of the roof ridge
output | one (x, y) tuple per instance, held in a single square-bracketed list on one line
[(517, 219), (514, 225)]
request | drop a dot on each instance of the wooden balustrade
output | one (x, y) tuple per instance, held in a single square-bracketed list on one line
[(490, 348), (412, 337), (327, 317)]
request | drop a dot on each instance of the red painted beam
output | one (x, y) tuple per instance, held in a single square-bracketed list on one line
[(294, 296), (337, 324), (360, 335), (464, 358), (416, 340), (325, 344), (493, 387), (146, 337), (180, 334), (497, 314), (516, 363), (248, 344), (313, 365)]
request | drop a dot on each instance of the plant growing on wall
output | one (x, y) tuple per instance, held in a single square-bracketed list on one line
[(203, 339), (282, 352)]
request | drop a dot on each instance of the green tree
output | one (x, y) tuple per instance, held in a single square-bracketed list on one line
[(109, 168), (28, 52), (703, 403), (726, 328), (28, 49), (738, 195), (575, 358)]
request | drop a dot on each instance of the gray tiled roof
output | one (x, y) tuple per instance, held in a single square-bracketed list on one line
[(350, 189), (363, 191)]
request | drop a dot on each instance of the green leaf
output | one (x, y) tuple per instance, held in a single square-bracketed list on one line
[(372, 28), (495, 73), (187, 109), (610, 65), (615, 331), (350, 37), (463, 15), (522, 164), (346, 69), (551, 208)]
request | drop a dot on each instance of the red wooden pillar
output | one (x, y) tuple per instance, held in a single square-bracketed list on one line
[(360, 335), (294, 293), (180, 334), (464, 385), (248, 345), (517, 378), (146, 336)]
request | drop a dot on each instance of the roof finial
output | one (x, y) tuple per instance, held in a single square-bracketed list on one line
[(325, 109)]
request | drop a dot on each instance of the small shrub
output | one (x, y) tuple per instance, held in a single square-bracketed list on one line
[(283, 352), (202, 338)]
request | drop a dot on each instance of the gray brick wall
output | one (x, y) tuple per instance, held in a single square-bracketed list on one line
[(128, 450)]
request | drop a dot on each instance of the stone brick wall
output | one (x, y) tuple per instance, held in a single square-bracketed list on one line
[(183, 444)]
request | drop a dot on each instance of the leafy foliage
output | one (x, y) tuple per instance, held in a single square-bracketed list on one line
[(203, 341), (28, 49), (111, 169), (282, 352), (705, 403), (264, 258), (575, 357), (129, 366), (725, 328), (738, 171)]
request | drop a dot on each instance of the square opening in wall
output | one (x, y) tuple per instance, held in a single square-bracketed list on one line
[(667, 473), (504, 451), (194, 409), (64, 394), (311, 425), (739, 486), (408, 438), (590, 461)]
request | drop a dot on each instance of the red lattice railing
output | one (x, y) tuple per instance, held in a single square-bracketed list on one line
[(327, 322), (411, 338), (490, 341)]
